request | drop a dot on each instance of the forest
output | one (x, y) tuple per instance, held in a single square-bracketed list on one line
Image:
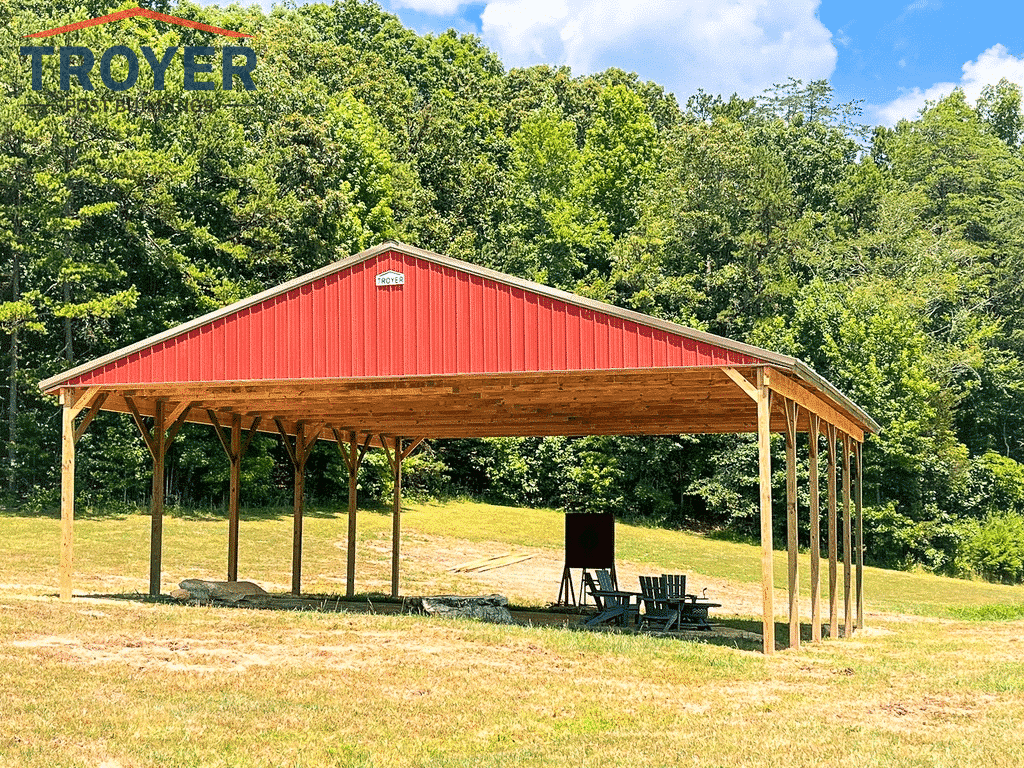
[(889, 259)]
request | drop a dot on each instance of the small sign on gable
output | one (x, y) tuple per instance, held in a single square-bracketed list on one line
[(391, 277)]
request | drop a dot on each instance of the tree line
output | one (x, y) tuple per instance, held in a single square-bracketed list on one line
[(889, 259)]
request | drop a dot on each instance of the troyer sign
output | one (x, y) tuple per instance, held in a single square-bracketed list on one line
[(78, 63)]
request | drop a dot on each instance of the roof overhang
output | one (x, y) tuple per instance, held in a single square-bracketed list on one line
[(673, 400)]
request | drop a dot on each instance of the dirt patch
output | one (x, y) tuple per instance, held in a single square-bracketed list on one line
[(536, 581), (924, 713)]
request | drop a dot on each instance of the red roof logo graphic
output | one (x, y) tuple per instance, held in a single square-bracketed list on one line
[(137, 12)]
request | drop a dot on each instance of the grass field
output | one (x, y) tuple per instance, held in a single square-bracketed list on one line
[(105, 682)]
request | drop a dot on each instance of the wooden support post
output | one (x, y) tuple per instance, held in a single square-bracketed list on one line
[(165, 429), (299, 454), (67, 495), (234, 495), (300, 490), (156, 535), (847, 540), (792, 530), (396, 518), (353, 459), (833, 567), (815, 512), (765, 483), (235, 448), (395, 460), (859, 502), (69, 437)]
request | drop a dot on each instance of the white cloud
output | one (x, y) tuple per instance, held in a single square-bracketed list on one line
[(990, 67), (722, 46)]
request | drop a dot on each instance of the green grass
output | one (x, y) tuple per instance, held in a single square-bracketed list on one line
[(112, 554), (122, 683)]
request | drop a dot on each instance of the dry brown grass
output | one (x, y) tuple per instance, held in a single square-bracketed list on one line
[(124, 684)]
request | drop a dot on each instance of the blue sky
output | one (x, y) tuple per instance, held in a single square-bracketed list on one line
[(892, 56)]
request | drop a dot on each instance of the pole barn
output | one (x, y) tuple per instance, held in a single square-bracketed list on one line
[(395, 345)]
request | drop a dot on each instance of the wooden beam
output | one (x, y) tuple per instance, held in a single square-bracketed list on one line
[(286, 440), (764, 454), (218, 430), (137, 418), (67, 500), (792, 411), (82, 402), (235, 448), (815, 514), (847, 540), (831, 436), (395, 460), (742, 382), (90, 415), (250, 435), (793, 391), (411, 447)]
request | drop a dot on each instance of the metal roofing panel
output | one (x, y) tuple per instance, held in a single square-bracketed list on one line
[(439, 320)]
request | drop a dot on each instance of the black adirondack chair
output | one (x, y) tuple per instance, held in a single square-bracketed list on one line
[(612, 605), (656, 612)]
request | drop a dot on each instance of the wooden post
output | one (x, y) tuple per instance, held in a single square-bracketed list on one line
[(67, 495), (69, 437), (815, 512), (833, 567), (299, 454), (234, 494), (764, 460), (792, 530), (353, 459), (165, 429), (396, 518), (859, 501), (847, 539), (353, 476), (156, 535), (395, 460), (299, 466), (235, 448)]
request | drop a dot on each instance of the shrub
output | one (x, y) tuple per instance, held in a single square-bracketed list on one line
[(995, 548)]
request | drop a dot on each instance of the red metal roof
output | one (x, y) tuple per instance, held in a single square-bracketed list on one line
[(445, 317)]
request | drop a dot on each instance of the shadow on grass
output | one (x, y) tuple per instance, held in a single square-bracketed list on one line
[(121, 511), (739, 634)]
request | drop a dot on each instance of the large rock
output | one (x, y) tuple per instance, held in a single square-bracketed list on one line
[(218, 591), (489, 608)]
